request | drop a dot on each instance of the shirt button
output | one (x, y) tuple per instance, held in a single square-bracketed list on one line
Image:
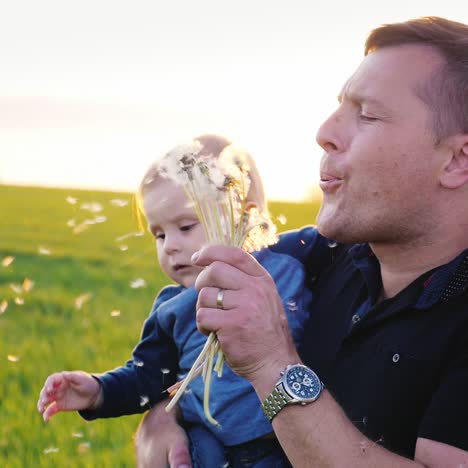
[(396, 357), (355, 318)]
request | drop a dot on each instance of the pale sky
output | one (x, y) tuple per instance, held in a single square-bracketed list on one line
[(91, 92)]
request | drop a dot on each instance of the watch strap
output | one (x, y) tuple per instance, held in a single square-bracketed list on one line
[(275, 402)]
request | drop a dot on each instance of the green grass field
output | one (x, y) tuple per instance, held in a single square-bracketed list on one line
[(80, 250)]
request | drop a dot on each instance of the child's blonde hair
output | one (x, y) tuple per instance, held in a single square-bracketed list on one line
[(211, 145)]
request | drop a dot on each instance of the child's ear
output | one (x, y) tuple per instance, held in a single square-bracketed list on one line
[(455, 172)]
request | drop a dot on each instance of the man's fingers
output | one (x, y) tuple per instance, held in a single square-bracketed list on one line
[(233, 256), (214, 298)]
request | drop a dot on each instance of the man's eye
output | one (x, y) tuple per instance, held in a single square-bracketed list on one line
[(367, 118)]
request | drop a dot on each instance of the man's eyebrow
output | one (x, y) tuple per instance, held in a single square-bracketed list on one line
[(357, 98)]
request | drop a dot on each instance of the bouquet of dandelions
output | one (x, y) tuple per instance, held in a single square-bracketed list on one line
[(218, 188)]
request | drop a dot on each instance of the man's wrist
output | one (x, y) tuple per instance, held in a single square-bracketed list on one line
[(266, 378)]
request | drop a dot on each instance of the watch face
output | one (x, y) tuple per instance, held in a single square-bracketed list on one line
[(302, 383)]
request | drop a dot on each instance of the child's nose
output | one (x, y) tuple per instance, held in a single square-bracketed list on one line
[(171, 244)]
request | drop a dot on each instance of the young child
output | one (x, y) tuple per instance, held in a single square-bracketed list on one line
[(170, 339)]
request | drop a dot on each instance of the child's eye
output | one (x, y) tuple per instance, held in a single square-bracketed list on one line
[(159, 235), (187, 227)]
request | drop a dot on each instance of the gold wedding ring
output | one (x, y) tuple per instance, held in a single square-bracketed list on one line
[(220, 299)]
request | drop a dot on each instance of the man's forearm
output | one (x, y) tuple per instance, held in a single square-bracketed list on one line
[(320, 435)]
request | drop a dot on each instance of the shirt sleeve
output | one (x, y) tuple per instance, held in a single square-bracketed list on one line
[(447, 415), (136, 386)]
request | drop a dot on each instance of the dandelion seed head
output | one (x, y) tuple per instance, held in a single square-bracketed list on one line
[(13, 358), (3, 306), (7, 261), (77, 435), (19, 301), (115, 313)]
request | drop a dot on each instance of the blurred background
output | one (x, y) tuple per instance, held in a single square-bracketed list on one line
[(91, 92)]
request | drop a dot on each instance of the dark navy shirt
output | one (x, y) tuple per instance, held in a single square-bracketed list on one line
[(399, 367)]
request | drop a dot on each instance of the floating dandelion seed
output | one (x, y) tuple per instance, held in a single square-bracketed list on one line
[(282, 219), (13, 358), (130, 234), (71, 222), (77, 435), (83, 447), (71, 200), (137, 283), (3, 306), (100, 219), (80, 228), (144, 400), (123, 248), (82, 299), (165, 371), (19, 301), (43, 250), (292, 306), (27, 285), (302, 241), (48, 450), (94, 207), (16, 288), (138, 363), (119, 202), (7, 261), (115, 313)]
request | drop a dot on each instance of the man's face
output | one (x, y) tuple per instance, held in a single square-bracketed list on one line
[(379, 171)]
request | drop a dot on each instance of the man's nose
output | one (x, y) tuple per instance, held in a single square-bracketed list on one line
[(328, 135)]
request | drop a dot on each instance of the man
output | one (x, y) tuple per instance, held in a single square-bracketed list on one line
[(388, 333)]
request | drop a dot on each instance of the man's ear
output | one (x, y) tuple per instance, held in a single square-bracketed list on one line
[(455, 172)]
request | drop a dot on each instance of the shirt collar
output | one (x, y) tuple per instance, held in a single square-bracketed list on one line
[(443, 283)]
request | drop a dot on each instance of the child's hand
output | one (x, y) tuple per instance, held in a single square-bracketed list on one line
[(69, 391)]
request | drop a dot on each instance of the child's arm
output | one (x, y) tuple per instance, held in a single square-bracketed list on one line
[(69, 391)]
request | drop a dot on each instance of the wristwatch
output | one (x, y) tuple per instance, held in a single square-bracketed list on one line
[(298, 384)]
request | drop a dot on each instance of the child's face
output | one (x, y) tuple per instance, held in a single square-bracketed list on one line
[(176, 228)]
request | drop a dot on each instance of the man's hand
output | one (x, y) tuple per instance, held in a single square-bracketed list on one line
[(68, 391), (252, 327), (160, 441)]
